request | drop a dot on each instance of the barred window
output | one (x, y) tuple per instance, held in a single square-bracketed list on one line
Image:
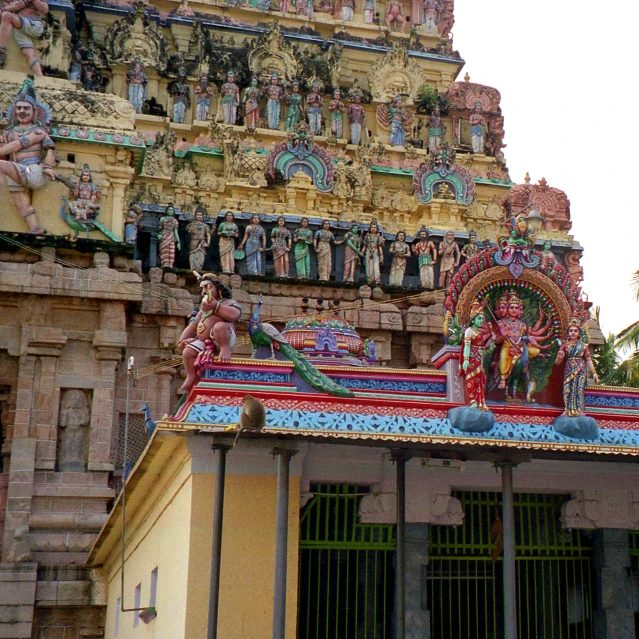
[(138, 439)]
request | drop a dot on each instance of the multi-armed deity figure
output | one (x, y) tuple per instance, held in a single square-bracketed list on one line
[(274, 93), (400, 250), (26, 141), (314, 105), (427, 256), (199, 239), (227, 232), (204, 92), (251, 100), (336, 108), (477, 124), (230, 94), (25, 19), (281, 239), (295, 112), (211, 331), (168, 236), (137, 80), (435, 131), (181, 94), (578, 363), (373, 253), (323, 239), (357, 119), (472, 358), (450, 257), (255, 243), (303, 240)]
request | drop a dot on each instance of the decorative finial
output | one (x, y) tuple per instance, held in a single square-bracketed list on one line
[(527, 178), (467, 77)]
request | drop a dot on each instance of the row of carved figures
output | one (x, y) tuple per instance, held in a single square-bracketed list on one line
[(361, 247)]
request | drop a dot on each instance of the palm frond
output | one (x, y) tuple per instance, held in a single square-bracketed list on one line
[(629, 336)]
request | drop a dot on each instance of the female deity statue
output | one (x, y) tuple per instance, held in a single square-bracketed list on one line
[(252, 95), (255, 242), (323, 239), (230, 93), (228, 233), (472, 359), (400, 251), (168, 236), (450, 258), (85, 205), (181, 94), (281, 238), (477, 123), (396, 115), (373, 253), (336, 109), (132, 223), (578, 362), (137, 81), (314, 104), (295, 112), (274, 93), (356, 118), (435, 130), (548, 261), (203, 92), (303, 238), (369, 11), (427, 256), (200, 240), (352, 252)]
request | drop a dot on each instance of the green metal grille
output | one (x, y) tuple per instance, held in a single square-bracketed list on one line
[(346, 568), (464, 590)]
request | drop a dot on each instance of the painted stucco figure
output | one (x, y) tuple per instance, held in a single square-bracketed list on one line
[(137, 80), (25, 19), (274, 94), (230, 94), (472, 359), (314, 105), (470, 249), (435, 131), (394, 14), (199, 240), (251, 99), (449, 256), (477, 125), (181, 94), (281, 247), (323, 239), (86, 195), (373, 246), (228, 233), (426, 252), (168, 236), (204, 92), (294, 112), (336, 109), (352, 252), (357, 120), (303, 239), (400, 250), (254, 242)]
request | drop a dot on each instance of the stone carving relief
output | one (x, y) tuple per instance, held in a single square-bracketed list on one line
[(242, 164), (73, 426), (395, 74), (137, 37), (20, 551), (158, 161), (271, 53), (590, 509)]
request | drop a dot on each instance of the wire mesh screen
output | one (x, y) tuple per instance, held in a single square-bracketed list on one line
[(138, 439), (464, 574), (346, 568)]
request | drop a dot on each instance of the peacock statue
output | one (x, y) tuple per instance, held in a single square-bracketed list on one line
[(265, 334)]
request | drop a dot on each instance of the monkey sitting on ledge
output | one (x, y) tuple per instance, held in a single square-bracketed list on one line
[(252, 417)]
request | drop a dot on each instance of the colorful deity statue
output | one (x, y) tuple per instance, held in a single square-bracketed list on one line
[(314, 105), (132, 223), (168, 236), (211, 331), (25, 20), (137, 80), (336, 108), (472, 358), (548, 261), (427, 256), (373, 246), (369, 11), (578, 363), (204, 92), (472, 248), (450, 257), (400, 250), (477, 125), (230, 94), (303, 239), (435, 131), (323, 239), (352, 252), (251, 100), (281, 239), (398, 118), (199, 240), (357, 119), (228, 233), (181, 94), (429, 15), (28, 152), (254, 242), (274, 93), (295, 112), (86, 195), (347, 10), (394, 14)]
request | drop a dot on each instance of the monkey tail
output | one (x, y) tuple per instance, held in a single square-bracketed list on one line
[(239, 430)]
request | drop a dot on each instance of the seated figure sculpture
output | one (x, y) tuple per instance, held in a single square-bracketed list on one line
[(211, 331), (25, 19)]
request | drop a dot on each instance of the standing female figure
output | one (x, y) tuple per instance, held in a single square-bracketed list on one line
[(200, 240), (336, 108), (273, 92), (168, 236), (303, 238), (400, 251), (281, 238), (323, 239), (294, 112), (252, 95), (228, 233), (373, 253), (352, 252), (255, 242), (472, 359), (578, 362)]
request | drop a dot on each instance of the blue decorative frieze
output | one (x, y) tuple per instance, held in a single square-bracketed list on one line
[(612, 401), (392, 385), (246, 376)]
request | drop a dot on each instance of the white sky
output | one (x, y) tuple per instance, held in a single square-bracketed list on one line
[(565, 71)]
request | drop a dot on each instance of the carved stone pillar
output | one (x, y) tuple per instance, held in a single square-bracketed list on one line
[(417, 615), (120, 176)]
